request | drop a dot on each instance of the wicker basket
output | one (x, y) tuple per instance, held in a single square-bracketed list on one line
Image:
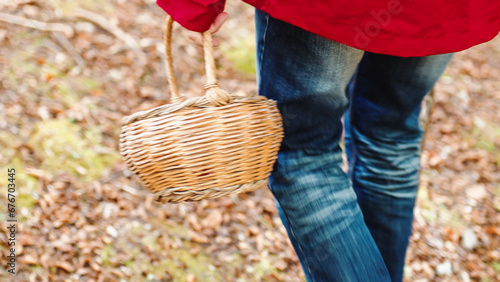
[(202, 147)]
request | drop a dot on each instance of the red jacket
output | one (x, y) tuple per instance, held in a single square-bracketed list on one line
[(394, 27)]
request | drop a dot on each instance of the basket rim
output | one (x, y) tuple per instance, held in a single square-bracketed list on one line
[(172, 195), (193, 102)]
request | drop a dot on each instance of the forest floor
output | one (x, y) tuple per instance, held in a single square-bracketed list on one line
[(83, 216)]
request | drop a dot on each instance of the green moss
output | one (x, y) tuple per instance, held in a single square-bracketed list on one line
[(149, 240), (485, 279), (176, 266), (427, 207), (26, 187), (433, 212), (138, 263), (179, 262), (135, 228), (66, 92), (171, 229), (199, 265), (450, 217), (86, 84), (26, 200), (236, 261), (496, 266), (172, 268), (106, 254), (6, 147), (67, 7), (38, 269), (66, 147), (24, 55), (429, 215), (485, 139), (131, 253), (241, 52), (263, 268)]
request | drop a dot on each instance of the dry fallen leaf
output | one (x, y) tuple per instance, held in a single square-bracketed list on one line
[(213, 220), (65, 266), (198, 237)]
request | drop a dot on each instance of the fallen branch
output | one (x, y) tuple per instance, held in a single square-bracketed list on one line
[(111, 28), (67, 30), (64, 42), (15, 3)]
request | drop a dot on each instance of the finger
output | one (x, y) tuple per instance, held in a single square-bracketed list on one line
[(196, 37), (219, 20), (215, 42)]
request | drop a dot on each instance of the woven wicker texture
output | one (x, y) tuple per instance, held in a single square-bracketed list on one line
[(202, 147)]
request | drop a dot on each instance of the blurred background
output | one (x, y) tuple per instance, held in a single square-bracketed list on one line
[(70, 70)]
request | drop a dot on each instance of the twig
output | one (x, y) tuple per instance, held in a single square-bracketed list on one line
[(15, 3), (64, 42), (67, 30), (129, 189), (106, 25)]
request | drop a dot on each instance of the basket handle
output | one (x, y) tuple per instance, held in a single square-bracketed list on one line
[(214, 93)]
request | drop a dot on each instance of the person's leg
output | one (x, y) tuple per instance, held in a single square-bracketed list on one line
[(383, 145), (307, 75)]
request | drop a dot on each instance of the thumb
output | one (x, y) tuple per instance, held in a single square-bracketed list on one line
[(219, 20)]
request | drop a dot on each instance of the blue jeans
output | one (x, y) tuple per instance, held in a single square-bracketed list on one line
[(355, 226)]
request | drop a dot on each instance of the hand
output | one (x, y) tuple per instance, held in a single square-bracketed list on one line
[(198, 37)]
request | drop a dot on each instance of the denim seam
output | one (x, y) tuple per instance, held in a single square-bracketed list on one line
[(354, 150), (292, 232), (261, 59)]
